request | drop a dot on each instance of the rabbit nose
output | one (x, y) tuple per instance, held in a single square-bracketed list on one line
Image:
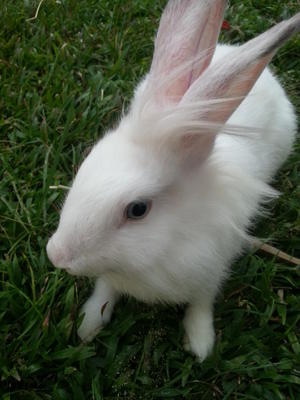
[(56, 254)]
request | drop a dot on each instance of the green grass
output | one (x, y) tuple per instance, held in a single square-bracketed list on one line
[(64, 78)]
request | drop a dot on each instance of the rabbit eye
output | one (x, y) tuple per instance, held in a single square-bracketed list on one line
[(138, 209)]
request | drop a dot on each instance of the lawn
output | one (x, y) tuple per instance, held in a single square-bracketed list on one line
[(65, 77)]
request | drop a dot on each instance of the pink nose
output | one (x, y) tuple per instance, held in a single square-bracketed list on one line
[(57, 255)]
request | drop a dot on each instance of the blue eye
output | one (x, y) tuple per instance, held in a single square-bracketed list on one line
[(138, 209)]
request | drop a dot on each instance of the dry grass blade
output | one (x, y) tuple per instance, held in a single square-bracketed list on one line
[(36, 13), (276, 252)]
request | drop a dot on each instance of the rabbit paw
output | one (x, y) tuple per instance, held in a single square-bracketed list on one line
[(92, 321), (97, 311), (201, 346), (200, 335)]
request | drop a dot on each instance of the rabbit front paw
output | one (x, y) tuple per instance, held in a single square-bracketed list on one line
[(97, 310), (92, 321), (201, 345), (200, 335)]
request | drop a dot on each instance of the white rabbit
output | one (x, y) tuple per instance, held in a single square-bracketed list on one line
[(161, 206)]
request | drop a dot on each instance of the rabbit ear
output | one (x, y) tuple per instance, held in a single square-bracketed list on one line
[(184, 45), (226, 83), (191, 126)]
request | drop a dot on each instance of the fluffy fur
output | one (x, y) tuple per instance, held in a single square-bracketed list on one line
[(201, 151)]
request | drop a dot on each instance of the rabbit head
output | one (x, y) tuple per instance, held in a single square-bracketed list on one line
[(133, 198)]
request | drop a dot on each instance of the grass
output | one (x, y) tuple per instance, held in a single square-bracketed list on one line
[(64, 78)]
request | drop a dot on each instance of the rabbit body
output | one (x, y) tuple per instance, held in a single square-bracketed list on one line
[(217, 205), (207, 231), (205, 188)]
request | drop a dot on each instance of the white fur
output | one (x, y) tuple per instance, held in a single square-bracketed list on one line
[(97, 310), (181, 252)]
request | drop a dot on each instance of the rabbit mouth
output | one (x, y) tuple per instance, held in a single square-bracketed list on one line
[(74, 264), (81, 267)]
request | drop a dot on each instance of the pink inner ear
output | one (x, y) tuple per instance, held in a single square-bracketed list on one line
[(223, 82), (236, 91), (184, 45), (228, 81)]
